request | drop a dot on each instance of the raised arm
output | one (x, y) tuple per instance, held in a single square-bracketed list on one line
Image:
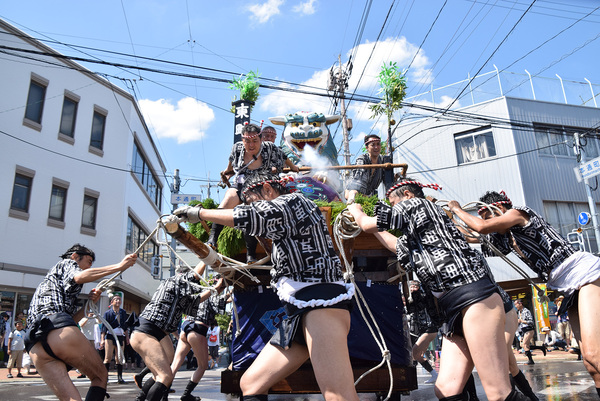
[(291, 165), (387, 239), (96, 273), (366, 223), (498, 224)]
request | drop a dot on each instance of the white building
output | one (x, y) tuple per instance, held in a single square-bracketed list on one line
[(521, 146), (78, 166)]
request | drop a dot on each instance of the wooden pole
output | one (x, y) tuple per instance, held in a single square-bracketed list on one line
[(403, 166), (191, 242)]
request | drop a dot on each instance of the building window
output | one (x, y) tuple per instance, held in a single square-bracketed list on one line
[(68, 117), (141, 170), (474, 145), (563, 217), (90, 211), (552, 140), (98, 126), (21, 195), (135, 236), (556, 140), (58, 202), (35, 102)]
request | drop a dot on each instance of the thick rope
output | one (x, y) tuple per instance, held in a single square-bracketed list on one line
[(542, 297), (226, 266), (103, 285), (345, 228)]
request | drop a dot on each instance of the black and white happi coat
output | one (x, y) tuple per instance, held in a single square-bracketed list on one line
[(174, 297), (422, 313), (272, 156), (210, 308), (543, 247), (58, 292), (364, 180), (527, 320), (438, 252), (302, 248)]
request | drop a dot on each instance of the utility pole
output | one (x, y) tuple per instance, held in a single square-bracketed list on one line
[(581, 153), (338, 83), (174, 190), (208, 185)]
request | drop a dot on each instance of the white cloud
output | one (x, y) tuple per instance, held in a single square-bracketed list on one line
[(279, 103), (306, 8), (186, 121), (263, 12), (360, 137), (440, 103), (397, 50)]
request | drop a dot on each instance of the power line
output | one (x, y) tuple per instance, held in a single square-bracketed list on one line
[(426, 35), (354, 96), (491, 55)]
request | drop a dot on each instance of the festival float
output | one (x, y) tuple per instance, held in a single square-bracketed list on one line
[(378, 341)]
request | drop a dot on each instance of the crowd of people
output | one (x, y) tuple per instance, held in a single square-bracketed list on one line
[(454, 291)]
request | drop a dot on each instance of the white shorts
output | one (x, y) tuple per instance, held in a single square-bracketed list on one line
[(577, 270)]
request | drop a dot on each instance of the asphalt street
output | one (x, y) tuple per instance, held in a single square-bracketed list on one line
[(559, 377)]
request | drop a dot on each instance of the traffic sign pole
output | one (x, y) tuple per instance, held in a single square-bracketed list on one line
[(588, 191)]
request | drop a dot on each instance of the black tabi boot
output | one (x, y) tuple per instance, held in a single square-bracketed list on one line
[(470, 391), (147, 386), (187, 393), (138, 378), (157, 391), (213, 236), (120, 375), (95, 393), (543, 348), (523, 385), (457, 397), (516, 396), (530, 361)]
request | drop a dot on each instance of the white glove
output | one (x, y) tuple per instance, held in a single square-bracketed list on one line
[(191, 214)]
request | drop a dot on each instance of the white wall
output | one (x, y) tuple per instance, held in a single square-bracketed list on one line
[(33, 243)]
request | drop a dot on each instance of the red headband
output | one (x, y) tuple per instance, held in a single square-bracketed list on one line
[(283, 181), (504, 202), (417, 183), (372, 140), (252, 134)]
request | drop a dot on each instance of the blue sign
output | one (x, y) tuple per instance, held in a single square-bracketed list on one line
[(583, 218), (588, 169)]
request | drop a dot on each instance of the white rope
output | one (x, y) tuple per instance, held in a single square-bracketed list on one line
[(542, 297), (345, 228), (103, 285), (290, 299)]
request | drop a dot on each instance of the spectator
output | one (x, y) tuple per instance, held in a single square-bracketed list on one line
[(87, 325), (117, 318), (269, 134), (4, 331), (554, 340), (16, 345), (213, 336)]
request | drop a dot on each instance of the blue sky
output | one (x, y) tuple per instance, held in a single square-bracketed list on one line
[(297, 42)]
